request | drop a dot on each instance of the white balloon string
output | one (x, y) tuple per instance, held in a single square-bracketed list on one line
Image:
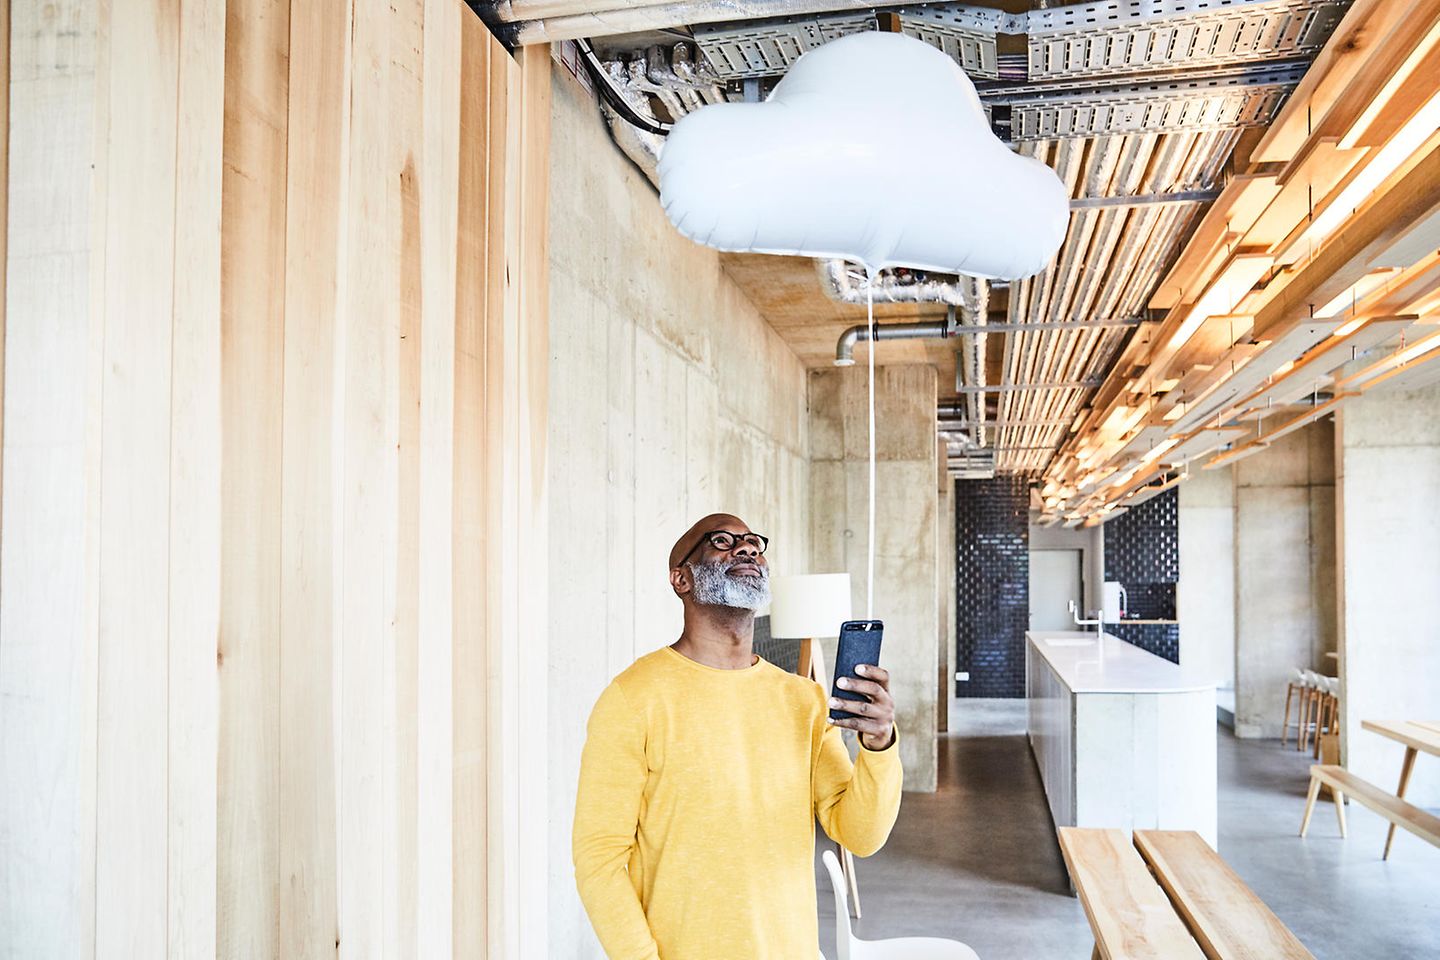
[(870, 538)]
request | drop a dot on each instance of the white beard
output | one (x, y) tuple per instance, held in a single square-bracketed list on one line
[(714, 586)]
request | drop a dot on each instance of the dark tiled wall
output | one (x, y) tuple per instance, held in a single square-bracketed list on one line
[(1142, 551), (992, 584), (1161, 639)]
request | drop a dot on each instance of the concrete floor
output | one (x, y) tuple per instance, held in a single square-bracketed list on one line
[(978, 862)]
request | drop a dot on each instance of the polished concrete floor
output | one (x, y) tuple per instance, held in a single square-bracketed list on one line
[(977, 861)]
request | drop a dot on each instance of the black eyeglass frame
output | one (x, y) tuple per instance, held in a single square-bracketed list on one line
[(738, 537)]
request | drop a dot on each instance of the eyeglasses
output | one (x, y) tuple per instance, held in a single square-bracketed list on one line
[(725, 540)]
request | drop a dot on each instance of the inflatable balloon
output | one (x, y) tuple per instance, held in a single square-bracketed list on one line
[(873, 148)]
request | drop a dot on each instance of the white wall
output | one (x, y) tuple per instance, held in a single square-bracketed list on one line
[(1388, 514), (670, 398), (1088, 540), (1206, 592)]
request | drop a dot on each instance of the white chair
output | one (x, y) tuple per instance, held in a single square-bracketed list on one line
[(850, 947)]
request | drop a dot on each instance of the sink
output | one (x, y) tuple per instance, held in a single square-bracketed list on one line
[(1070, 642)]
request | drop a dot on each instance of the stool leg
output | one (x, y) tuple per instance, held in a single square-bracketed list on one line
[(1285, 727), (1310, 804), (1339, 799), (1320, 721), (1300, 734)]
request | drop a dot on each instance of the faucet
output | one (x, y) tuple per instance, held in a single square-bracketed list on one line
[(1075, 615)]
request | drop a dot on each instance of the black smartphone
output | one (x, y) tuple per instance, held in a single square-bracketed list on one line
[(859, 643)]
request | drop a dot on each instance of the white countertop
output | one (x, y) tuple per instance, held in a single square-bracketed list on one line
[(1109, 665)]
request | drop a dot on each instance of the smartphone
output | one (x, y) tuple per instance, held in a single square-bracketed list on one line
[(859, 643)]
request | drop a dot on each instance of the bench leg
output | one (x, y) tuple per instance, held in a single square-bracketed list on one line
[(1405, 768), (1310, 804), (1340, 811)]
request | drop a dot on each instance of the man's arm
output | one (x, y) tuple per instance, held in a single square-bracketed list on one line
[(607, 814), (857, 804)]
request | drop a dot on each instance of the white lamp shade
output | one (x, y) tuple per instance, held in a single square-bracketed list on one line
[(809, 605)]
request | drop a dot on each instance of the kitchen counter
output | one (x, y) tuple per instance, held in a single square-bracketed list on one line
[(1123, 738), (1104, 664)]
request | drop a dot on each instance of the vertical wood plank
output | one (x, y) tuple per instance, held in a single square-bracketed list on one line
[(471, 594), (435, 734), (369, 414), (501, 503), (318, 95), (132, 825), (50, 508), (406, 107), (194, 574), (531, 562), (252, 290)]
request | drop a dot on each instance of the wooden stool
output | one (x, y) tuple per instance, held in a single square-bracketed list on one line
[(1328, 712), (1296, 685)]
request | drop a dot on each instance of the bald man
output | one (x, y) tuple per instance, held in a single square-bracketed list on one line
[(705, 768)]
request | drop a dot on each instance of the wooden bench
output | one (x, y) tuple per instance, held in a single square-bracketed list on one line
[(1399, 812), (1223, 914), (1199, 907), (1129, 914)]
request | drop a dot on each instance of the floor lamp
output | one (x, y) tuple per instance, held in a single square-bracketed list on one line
[(808, 607)]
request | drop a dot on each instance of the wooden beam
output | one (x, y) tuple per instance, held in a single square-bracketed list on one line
[(1346, 257)]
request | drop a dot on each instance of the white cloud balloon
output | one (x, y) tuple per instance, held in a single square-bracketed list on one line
[(873, 148)]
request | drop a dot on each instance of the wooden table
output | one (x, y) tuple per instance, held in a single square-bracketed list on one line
[(1416, 735)]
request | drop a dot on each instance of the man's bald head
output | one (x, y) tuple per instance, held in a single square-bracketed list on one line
[(691, 538)]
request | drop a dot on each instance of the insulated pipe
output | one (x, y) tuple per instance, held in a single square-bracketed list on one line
[(848, 284)]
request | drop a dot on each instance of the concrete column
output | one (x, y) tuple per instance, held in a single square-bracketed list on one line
[(907, 504), (945, 587), (1206, 592), (1387, 449), (1284, 563)]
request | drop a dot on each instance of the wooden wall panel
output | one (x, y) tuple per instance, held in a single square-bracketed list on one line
[(369, 319), (272, 449), (435, 732), (471, 517), (195, 455), (532, 681), (252, 290), (318, 95), (132, 825), (50, 507)]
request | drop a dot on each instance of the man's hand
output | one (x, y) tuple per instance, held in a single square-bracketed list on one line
[(876, 720)]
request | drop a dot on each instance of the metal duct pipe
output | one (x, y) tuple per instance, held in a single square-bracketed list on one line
[(845, 346)]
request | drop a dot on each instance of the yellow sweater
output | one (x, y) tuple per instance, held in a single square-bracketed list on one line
[(695, 821)]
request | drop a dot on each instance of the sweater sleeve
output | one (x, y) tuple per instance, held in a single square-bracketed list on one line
[(607, 815), (857, 803)]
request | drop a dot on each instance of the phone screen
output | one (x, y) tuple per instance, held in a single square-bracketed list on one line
[(859, 643)]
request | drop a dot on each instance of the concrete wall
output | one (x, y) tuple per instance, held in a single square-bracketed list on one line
[(1387, 448), (1284, 572), (907, 505), (670, 398), (1206, 592)]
